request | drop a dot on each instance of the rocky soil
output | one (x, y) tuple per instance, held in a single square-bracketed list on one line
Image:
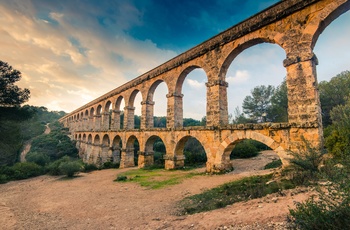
[(94, 201)]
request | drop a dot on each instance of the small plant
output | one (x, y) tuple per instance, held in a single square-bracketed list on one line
[(273, 164), (121, 178), (109, 165)]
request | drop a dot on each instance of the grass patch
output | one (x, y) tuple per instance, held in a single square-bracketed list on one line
[(155, 178), (229, 193)]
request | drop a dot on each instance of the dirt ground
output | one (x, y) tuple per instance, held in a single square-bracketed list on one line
[(94, 201)]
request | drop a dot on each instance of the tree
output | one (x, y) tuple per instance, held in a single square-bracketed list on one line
[(278, 112), (257, 106), (10, 94), (333, 93)]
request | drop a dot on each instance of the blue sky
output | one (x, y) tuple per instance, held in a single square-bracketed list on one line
[(72, 51)]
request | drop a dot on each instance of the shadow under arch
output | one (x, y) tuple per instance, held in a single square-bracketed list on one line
[(116, 149), (222, 160), (154, 153), (129, 156), (189, 151), (105, 150)]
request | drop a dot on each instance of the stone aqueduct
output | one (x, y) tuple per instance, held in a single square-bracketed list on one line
[(294, 25)]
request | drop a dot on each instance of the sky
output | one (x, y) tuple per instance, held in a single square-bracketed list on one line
[(73, 51)]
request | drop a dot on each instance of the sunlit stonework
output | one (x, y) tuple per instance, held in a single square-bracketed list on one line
[(294, 25)]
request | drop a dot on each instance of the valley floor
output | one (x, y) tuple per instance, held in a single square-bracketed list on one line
[(94, 201)]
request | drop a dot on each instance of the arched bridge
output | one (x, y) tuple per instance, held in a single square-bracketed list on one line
[(294, 25)]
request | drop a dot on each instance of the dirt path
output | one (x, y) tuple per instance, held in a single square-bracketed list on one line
[(94, 201), (28, 144)]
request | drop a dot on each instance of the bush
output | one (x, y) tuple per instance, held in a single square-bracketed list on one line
[(244, 149), (53, 168), (195, 158), (70, 168), (26, 170), (273, 164), (109, 165), (121, 178), (38, 158), (305, 165), (89, 167)]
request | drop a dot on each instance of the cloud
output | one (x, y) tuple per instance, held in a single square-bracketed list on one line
[(62, 51), (195, 84), (239, 77)]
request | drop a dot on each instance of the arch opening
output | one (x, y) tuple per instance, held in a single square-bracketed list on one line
[(157, 104), (155, 151), (257, 89), (190, 152), (193, 92)]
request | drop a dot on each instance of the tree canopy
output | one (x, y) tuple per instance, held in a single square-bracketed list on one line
[(10, 94)]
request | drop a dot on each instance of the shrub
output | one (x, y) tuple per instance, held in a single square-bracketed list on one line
[(3, 178), (89, 167), (273, 164), (53, 168), (195, 158), (305, 165), (70, 168), (109, 165), (121, 178), (26, 170), (38, 158), (244, 149)]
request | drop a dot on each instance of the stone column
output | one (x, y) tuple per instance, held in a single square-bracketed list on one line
[(116, 155), (147, 114), (105, 121), (145, 159), (129, 119), (104, 154), (173, 162), (85, 124), (217, 114), (115, 122), (304, 108), (97, 122), (127, 158), (174, 111), (91, 123)]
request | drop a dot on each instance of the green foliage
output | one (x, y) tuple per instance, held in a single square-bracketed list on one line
[(55, 145), (121, 178), (278, 112), (229, 193), (26, 170), (331, 210), (333, 93), (305, 164), (338, 134), (109, 165), (187, 122), (19, 124), (273, 164), (10, 94), (244, 149), (194, 153), (89, 167), (38, 158), (258, 104), (70, 168)]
